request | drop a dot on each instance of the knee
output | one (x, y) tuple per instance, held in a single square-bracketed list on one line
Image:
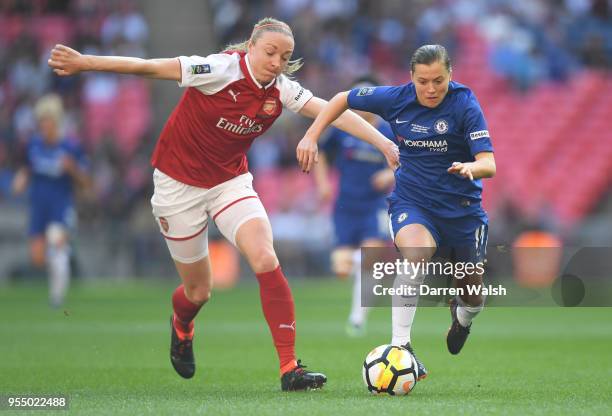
[(473, 300), (56, 236), (264, 260), (416, 255), (342, 262), (198, 295)]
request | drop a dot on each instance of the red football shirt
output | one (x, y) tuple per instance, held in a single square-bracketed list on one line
[(224, 108)]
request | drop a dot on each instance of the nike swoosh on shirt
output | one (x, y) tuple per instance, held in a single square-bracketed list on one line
[(398, 121)]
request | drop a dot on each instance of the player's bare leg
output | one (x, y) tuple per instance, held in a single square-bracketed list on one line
[(254, 240), (197, 280), (187, 300), (416, 244), (38, 248), (38, 255), (342, 261), (463, 309)]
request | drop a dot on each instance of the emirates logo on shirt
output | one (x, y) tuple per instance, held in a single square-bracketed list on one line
[(245, 126)]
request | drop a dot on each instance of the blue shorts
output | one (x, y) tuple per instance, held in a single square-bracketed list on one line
[(352, 229), (42, 215), (462, 239)]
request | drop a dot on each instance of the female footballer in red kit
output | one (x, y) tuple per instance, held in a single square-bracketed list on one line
[(201, 172)]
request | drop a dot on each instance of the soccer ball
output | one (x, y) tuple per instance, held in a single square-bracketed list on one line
[(390, 369)]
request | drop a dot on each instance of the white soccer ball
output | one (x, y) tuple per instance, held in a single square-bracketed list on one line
[(389, 369)]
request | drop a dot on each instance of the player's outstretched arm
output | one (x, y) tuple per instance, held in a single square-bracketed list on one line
[(67, 61), (335, 112), (483, 167)]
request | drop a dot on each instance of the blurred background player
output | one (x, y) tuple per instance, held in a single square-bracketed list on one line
[(445, 150), (202, 172), (54, 165), (360, 208)]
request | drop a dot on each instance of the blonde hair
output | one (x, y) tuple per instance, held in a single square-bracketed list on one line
[(49, 105), (268, 24)]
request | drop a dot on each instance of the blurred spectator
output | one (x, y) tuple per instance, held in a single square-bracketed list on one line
[(125, 30)]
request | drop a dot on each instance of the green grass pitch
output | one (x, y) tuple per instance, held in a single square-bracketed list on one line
[(108, 350)]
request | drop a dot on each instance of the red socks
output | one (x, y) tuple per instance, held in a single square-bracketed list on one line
[(184, 313), (277, 305)]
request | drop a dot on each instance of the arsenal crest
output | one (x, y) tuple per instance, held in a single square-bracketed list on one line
[(269, 106), (164, 224)]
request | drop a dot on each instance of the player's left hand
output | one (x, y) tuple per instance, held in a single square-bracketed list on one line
[(307, 153), (65, 61), (462, 169)]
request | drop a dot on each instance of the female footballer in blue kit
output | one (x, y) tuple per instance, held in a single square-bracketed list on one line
[(445, 150), (360, 209), (54, 165)]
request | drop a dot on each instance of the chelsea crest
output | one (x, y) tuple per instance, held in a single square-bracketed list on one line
[(441, 126)]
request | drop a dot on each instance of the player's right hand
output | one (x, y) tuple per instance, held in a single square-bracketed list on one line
[(65, 61), (307, 153), (391, 153)]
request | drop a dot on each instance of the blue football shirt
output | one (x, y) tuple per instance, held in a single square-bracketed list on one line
[(430, 140), (49, 182), (356, 161)]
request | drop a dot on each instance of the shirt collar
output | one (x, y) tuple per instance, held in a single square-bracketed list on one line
[(250, 73)]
